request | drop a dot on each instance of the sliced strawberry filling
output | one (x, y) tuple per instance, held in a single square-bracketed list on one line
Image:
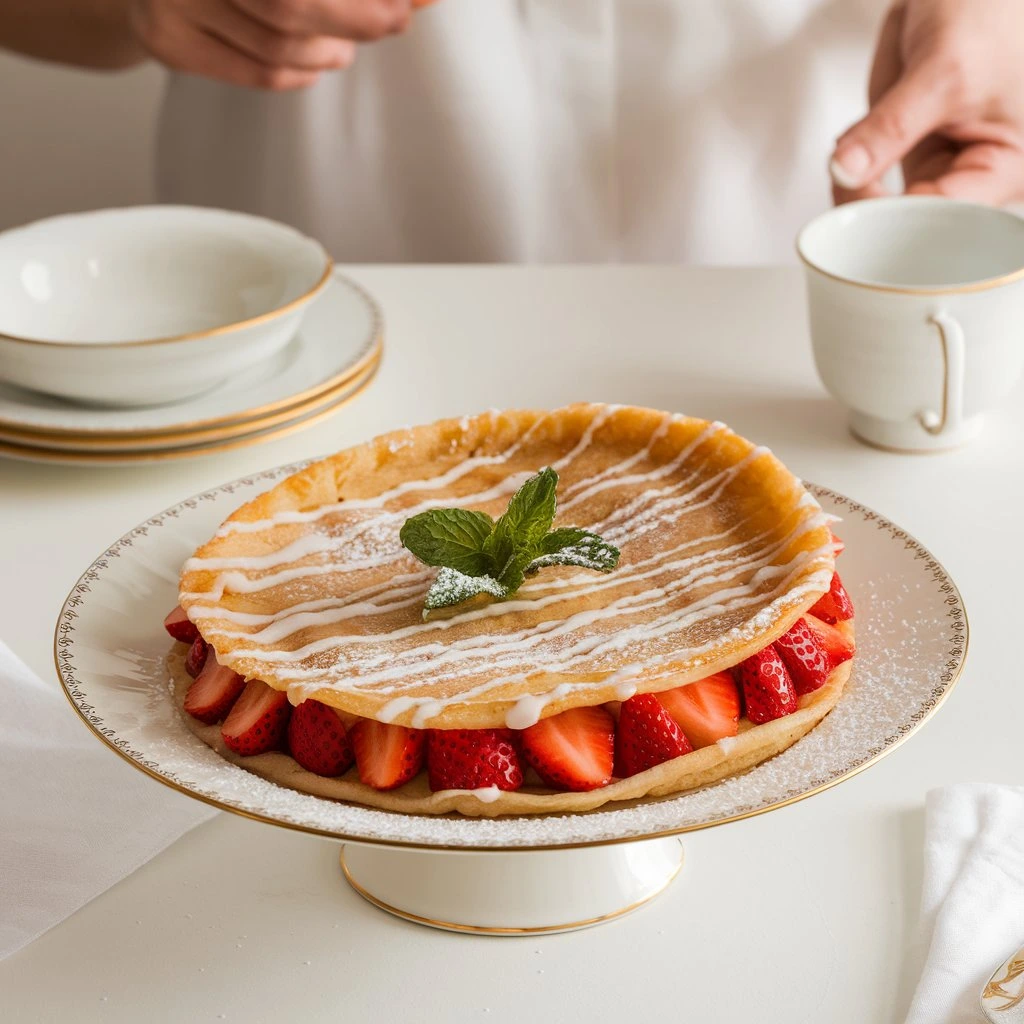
[(579, 749)]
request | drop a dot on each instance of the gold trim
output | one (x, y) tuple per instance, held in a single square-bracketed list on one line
[(993, 989), (895, 289), (137, 443), (939, 700), (27, 454), (373, 345), (892, 449), (937, 292), (473, 929), (210, 332)]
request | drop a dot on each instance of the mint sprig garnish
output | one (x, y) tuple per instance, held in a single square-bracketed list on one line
[(480, 556)]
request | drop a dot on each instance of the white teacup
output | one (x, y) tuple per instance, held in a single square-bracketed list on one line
[(917, 315)]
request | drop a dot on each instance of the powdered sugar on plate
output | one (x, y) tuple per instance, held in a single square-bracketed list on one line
[(911, 634)]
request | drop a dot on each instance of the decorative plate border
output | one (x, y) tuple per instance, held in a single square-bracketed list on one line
[(957, 639)]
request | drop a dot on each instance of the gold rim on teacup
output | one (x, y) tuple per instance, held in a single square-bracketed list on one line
[(984, 284)]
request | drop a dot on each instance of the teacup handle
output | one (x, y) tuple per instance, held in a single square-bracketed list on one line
[(952, 335)]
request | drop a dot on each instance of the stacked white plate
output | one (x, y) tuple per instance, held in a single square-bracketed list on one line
[(332, 358)]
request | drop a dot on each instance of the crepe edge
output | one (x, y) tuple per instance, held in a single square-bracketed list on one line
[(754, 745), (321, 483)]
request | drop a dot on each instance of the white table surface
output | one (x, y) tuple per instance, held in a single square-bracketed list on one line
[(804, 914)]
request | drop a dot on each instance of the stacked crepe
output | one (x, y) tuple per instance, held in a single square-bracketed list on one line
[(309, 589)]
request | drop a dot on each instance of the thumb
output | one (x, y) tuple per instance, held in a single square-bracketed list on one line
[(909, 110)]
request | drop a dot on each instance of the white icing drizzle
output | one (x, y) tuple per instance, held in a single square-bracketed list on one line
[(647, 608)]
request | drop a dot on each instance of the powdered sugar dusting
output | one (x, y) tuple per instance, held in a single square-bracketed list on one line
[(688, 582), (912, 637)]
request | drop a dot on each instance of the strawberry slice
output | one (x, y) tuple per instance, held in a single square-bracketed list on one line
[(472, 759), (768, 690), (387, 755), (214, 692), (317, 739), (837, 645), (835, 606), (647, 736), (706, 710), (838, 546), (258, 721), (805, 657), (178, 625), (196, 657), (572, 750)]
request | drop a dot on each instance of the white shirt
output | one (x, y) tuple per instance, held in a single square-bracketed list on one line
[(545, 130)]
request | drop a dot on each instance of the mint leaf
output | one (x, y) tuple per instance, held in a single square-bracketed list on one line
[(478, 556), (453, 537), (573, 546), (453, 587), (562, 538), (527, 519)]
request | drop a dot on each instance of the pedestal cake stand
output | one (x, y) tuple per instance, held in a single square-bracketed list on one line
[(504, 876)]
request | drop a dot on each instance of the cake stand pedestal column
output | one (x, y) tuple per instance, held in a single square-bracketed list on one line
[(512, 892)]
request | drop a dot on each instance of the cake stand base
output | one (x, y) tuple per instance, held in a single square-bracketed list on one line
[(525, 892)]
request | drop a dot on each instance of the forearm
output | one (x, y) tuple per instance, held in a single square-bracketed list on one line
[(87, 33)]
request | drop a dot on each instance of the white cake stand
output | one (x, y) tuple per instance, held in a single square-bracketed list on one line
[(507, 876)]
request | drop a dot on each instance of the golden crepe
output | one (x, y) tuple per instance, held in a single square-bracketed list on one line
[(309, 589)]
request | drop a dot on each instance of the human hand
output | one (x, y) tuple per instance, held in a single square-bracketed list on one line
[(266, 44), (947, 100)]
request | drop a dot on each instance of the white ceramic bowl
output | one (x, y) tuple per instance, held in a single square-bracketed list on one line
[(149, 304)]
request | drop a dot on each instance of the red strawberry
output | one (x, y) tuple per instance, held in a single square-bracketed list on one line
[(837, 645), (838, 547), (805, 657), (258, 721), (178, 625), (196, 657), (836, 605), (472, 759), (705, 710), (768, 690), (573, 750), (214, 691), (317, 739), (387, 755), (647, 736)]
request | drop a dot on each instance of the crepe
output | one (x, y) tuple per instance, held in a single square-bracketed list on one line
[(754, 744), (309, 589)]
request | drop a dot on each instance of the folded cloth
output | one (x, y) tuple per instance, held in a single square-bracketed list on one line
[(972, 908), (74, 818)]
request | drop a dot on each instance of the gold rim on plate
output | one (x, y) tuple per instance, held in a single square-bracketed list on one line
[(371, 348), (960, 641), (24, 453), (156, 443)]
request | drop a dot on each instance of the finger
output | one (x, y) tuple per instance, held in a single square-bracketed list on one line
[(193, 51), (269, 46), (979, 174), (886, 68), (887, 65), (873, 190), (902, 116), (361, 20), (930, 157)]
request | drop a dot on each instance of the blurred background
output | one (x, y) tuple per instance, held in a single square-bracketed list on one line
[(74, 140)]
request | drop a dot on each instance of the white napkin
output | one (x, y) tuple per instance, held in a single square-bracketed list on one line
[(972, 909), (74, 818)]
